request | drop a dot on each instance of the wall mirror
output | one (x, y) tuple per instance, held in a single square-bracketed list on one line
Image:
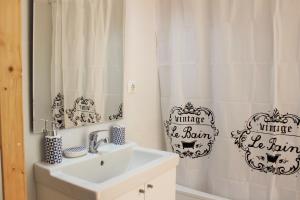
[(77, 62)]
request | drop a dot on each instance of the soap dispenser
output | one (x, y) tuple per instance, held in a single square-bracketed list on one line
[(52, 145)]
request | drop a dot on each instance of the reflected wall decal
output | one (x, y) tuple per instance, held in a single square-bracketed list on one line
[(83, 112)]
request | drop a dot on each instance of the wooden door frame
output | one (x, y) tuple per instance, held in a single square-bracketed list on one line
[(11, 109)]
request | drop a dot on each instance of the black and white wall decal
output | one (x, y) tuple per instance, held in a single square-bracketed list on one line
[(271, 142), (191, 131)]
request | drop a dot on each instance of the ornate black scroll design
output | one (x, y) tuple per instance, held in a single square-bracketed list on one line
[(83, 112), (58, 111), (119, 115), (185, 141), (268, 155)]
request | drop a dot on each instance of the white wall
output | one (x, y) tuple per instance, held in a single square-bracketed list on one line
[(142, 108), (143, 118)]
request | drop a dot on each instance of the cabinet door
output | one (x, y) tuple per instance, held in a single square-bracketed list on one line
[(135, 194), (162, 187)]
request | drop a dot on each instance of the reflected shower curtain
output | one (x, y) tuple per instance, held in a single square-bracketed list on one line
[(79, 62), (230, 95)]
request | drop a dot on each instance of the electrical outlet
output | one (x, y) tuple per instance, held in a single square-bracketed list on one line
[(131, 86)]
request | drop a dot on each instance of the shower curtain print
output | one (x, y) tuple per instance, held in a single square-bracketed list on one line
[(240, 59), (269, 142), (191, 130)]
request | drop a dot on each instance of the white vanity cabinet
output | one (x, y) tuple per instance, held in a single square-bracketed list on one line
[(135, 194), (160, 188), (118, 172)]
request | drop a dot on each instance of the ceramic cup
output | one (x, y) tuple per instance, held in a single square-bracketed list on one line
[(118, 135)]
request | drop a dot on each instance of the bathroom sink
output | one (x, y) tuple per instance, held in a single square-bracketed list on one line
[(115, 168), (106, 165)]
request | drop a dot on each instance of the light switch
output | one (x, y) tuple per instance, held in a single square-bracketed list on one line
[(131, 86)]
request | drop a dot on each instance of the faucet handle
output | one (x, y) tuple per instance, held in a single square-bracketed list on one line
[(96, 132), (93, 135), (105, 140)]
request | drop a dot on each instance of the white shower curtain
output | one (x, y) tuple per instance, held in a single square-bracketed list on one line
[(230, 80), (79, 62)]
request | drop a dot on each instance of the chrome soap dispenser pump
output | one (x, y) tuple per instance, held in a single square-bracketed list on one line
[(45, 130), (52, 132)]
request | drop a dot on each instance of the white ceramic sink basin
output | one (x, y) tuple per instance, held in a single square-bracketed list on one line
[(114, 168), (107, 165)]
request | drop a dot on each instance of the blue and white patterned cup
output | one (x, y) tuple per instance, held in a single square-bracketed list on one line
[(118, 135), (53, 149)]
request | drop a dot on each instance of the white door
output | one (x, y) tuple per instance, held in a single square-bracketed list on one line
[(135, 194), (162, 187)]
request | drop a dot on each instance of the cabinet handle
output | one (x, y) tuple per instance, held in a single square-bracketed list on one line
[(150, 186), (141, 191)]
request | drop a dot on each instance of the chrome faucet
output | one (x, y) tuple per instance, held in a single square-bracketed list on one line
[(94, 143)]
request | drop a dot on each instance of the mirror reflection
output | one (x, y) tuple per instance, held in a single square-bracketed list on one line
[(78, 62)]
